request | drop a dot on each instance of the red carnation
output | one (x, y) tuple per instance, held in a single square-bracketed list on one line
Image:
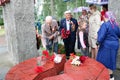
[(52, 57), (67, 32), (83, 58), (64, 33), (65, 36), (63, 30), (45, 52), (72, 54)]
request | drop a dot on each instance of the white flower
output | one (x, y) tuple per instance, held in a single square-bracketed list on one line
[(57, 58), (76, 61), (77, 57)]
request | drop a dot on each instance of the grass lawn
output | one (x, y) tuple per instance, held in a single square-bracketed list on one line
[(2, 32)]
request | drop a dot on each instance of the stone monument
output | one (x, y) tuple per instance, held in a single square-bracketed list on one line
[(20, 31)]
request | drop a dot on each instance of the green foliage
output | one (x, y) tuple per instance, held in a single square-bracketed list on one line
[(78, 54), (35, 12), (0, 10), (1, 19), (1, 22), (42, 48), (61, 49), (60, 7), (46, 8)]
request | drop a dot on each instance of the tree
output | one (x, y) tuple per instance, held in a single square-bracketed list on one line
[(46, 8), (1, 17), (60, 6)]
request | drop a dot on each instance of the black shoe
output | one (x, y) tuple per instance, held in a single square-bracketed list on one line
[(111, 77), (67, 57)]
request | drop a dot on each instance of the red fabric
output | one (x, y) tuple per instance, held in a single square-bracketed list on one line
[(89, 70), (38, 69), (59, 77), (28, 70)]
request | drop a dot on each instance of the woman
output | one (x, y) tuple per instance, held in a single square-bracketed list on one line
[(84, 16), (94, 25), (108, 39)]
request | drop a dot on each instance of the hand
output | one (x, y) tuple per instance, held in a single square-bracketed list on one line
[(38, 35), (51, 37), (58, 33), (95, 37), (54, 30), (84, 49)]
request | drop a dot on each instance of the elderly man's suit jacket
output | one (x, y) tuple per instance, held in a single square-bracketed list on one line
[(72, 36), (51, 30)]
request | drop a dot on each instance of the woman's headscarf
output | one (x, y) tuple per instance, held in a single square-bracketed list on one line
[(110, 15)]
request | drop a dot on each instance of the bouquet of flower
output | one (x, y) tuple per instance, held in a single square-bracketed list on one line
[(57, 58), (46, 56), (77, 60), (65, 34)]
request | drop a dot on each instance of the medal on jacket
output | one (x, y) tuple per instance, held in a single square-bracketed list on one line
[(72, 26)]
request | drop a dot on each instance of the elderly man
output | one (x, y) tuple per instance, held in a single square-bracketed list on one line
[(69, 24), (50, 34)]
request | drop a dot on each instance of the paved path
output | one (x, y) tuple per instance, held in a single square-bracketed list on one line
[(5, 59), (6, 63)]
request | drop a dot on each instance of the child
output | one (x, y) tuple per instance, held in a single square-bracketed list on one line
[(83, 37)]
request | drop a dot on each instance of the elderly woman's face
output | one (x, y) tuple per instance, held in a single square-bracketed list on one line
[(68, 16)]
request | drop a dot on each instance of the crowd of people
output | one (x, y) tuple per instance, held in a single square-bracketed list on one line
[(97, 35)]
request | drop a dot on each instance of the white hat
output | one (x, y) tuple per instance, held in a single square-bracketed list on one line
[(67, 12)]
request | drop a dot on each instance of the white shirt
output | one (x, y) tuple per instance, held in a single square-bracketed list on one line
[(68, 24)]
